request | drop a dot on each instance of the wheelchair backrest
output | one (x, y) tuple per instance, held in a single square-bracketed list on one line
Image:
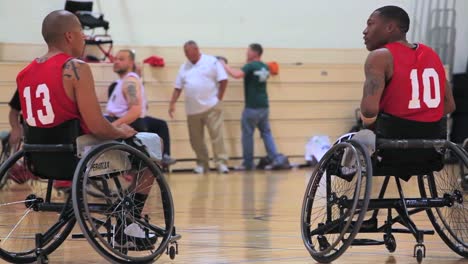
[(43, 154), (407, 162)]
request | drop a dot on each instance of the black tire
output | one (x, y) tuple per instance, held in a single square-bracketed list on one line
[(113, 207), (419, 255), (390, 243), (449, 222), (4, 155), (327, 239), (20, 247)]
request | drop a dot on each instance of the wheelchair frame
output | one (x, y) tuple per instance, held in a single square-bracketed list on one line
[(405, 207), (68, 218)]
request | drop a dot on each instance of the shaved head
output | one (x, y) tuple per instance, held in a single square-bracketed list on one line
[(57, 23)]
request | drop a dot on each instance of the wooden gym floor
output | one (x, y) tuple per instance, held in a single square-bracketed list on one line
[(254, 218)]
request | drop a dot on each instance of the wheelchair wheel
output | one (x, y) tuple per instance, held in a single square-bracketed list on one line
[(336, 201), (449, 222), (117, 225), (23, 216), (4, 155)]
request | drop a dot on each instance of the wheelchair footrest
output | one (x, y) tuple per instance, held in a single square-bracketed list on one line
[(367, 242)]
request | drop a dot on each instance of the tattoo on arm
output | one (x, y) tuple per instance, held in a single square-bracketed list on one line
[(372, 83), (132, 93), (71, 66), (74, 70)]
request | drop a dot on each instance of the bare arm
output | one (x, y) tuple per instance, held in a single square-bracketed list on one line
[(376, 66), (234, 73), (449, 102), (222, 89), (78, 74), (132, 92), (175, 97), (16, 130)]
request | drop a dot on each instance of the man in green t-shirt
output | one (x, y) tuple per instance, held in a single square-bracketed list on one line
[(256, 112)]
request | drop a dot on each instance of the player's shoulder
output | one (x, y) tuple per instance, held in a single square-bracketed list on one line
[(75, 64), (379, 55)]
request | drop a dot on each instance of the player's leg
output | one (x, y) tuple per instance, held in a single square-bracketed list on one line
[(249, 122), (161, 128), (197, 141), (215, 122), (265, 132)]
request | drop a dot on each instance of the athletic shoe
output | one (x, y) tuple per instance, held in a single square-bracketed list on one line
[(222, 168), (167, 160), (199, 170), (135, 238)]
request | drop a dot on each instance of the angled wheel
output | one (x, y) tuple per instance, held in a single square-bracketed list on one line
[(336, 201), (22, 214), (107, 184), (451, 223)]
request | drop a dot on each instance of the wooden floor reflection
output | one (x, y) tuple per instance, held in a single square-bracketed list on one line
[(254, 218)]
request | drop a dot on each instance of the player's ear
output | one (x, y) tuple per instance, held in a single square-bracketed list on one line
[(391, 27), (68, 36)]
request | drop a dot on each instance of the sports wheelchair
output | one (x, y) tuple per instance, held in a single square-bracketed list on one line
[(338, 203), (106, 176)]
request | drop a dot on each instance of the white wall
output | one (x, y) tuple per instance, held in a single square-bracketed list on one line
[(226, 23)]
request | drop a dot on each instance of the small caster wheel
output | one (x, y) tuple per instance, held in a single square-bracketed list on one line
[(172, 252), (390, 243), (419, 255)]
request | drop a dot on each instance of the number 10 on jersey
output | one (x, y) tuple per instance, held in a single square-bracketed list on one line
[(432, 100)]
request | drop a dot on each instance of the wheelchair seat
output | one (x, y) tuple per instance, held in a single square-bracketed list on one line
[(51, 152), (405, 163)]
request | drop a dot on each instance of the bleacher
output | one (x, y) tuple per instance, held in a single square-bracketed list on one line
[(315, 93)]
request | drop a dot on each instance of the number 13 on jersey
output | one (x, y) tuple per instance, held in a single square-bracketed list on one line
[(46, 116), (429, 77)]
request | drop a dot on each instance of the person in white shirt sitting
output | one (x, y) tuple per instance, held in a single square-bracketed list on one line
[(204, 80)]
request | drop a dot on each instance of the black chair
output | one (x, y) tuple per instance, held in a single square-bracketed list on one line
[(90, 21), (339, 204), (104, 174)]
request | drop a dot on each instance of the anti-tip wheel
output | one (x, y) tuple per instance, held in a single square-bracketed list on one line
[(390, 243), (172, 252), (419, 255)]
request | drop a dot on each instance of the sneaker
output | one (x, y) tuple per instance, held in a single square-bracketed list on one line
[(222, 168), (199, 170), (135, 238), (167, 160)]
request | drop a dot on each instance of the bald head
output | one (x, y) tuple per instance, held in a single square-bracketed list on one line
[(56, 24)]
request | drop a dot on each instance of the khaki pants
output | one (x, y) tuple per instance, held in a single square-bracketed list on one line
[(213, 119)]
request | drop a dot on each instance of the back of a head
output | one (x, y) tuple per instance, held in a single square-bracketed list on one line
[(396, 14), (257, 48), (56, 23)]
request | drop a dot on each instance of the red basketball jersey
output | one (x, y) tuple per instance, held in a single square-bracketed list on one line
[(44, 102), (417, 88)]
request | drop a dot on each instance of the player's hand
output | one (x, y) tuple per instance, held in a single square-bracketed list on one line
[(127, 131), (171, 111)]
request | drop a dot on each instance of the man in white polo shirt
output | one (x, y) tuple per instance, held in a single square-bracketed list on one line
[(204, 80)]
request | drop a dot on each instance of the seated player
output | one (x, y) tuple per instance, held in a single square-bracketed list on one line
[(127, 102), (404, 80), (57, 87), (403, 90), (157, 126)]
